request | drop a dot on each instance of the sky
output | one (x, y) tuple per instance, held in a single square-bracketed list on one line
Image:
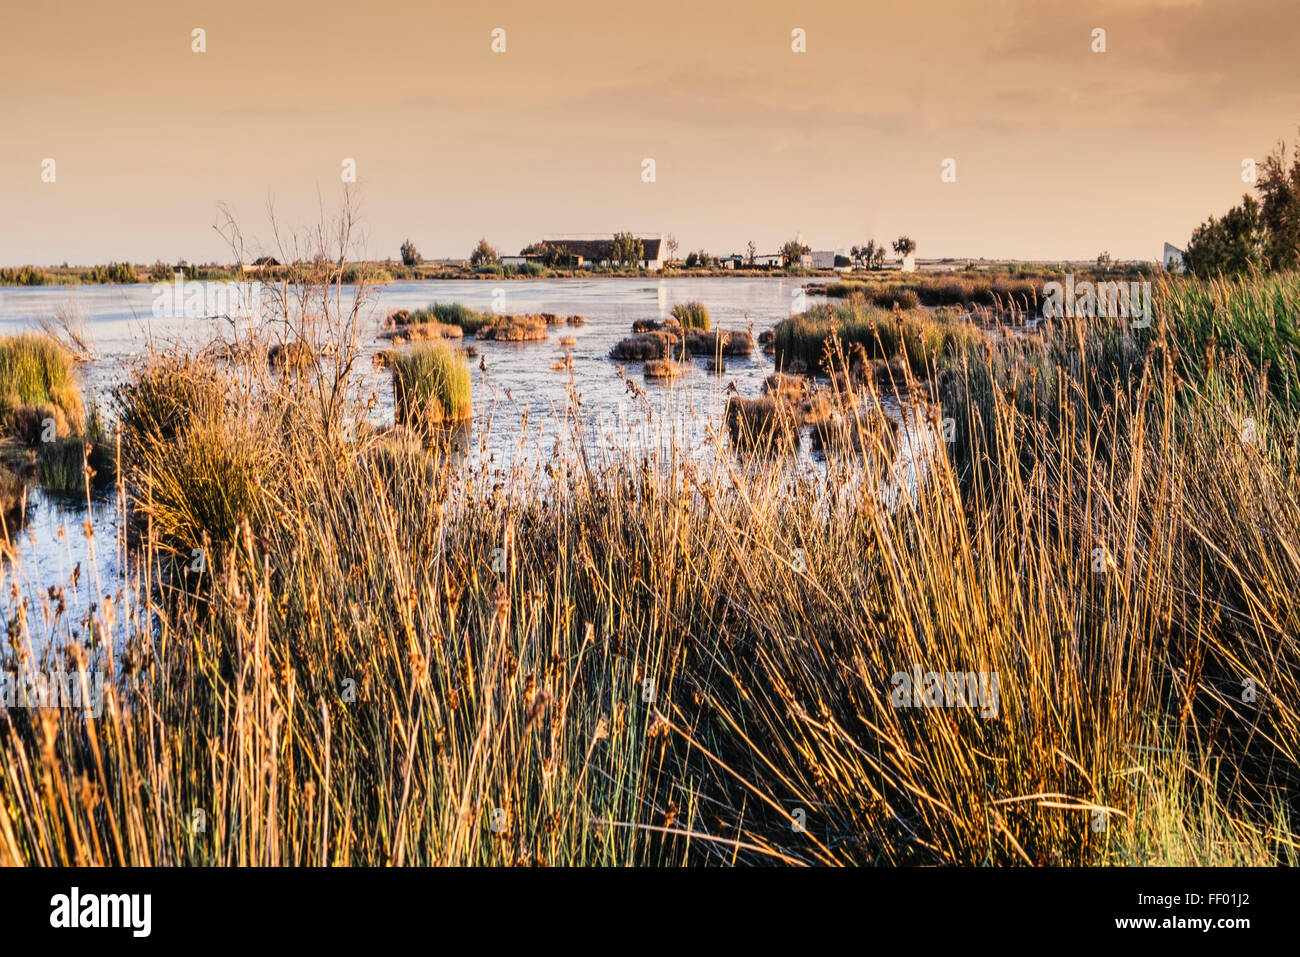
[(1059, 152)]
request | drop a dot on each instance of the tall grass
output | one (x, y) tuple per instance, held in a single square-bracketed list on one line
[(1258, 316), (692, 315), (199, 454), (999, 291), (924, 340), (37, 373), (431, 385), (81, 464), (406, 659)]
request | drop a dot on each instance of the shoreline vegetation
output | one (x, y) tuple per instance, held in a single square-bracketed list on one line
[(384, 271), (389, 656)]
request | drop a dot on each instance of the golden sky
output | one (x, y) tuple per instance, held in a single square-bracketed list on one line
[(1060, 152)]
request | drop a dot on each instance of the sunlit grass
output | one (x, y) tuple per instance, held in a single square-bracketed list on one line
[(397, 657), (431, 384), (37, 377), (692, 315)]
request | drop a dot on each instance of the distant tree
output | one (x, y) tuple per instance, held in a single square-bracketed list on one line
[(1279, 213), (672, 248), (551, 254), (692, 260), (1104, 260), (626, 250), (1261, 233), (751, 252), (904, 245), (868, 255), (410, 255), (1234, 244), (555, 255), (793, 252), (484, 254)]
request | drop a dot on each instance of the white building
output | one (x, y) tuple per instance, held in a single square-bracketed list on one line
[(1172, 258)]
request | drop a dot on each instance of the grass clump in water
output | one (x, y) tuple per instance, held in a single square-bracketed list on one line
[(431, 385), (72, 466), (925, 341), (692, 315), (468, 320), (513, 329), (198, 459), (662, 369), (38, 384)]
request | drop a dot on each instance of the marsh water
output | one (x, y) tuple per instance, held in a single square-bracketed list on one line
[(520, 400)]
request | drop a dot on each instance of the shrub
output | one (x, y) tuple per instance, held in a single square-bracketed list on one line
[(23, 276), (114, 273), (626, 250), (363, 273), (161, 272), (484, 255), (410, 255)]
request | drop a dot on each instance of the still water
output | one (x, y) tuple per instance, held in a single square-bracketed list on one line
[(519, 381)]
